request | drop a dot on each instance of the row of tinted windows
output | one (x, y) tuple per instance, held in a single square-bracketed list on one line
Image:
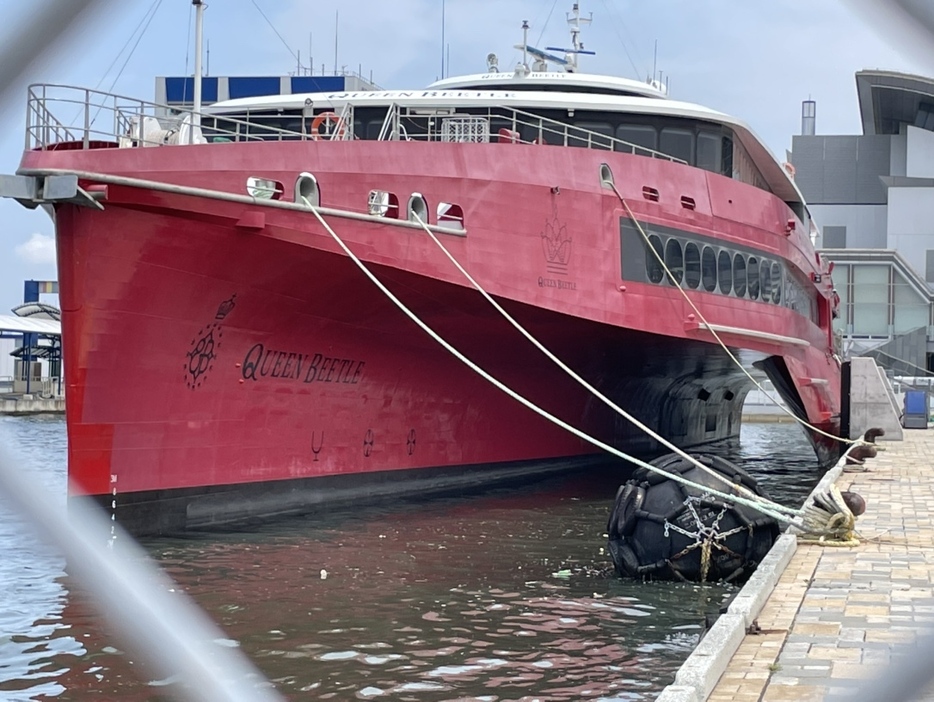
[(696, 143), (707, 148), (698, 266)]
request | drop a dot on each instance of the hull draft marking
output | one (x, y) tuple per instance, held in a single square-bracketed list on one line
[(317, 449), (205, 346), (369, 439)]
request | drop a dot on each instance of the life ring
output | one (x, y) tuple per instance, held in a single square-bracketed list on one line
[(339, 127)]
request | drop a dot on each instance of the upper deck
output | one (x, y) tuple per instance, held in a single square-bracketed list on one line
[(655, 127)]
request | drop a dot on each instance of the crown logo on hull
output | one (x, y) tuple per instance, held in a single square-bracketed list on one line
[(556, 243), (226, 307)]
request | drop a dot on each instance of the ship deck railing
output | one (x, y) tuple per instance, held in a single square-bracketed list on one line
[(60, 116)]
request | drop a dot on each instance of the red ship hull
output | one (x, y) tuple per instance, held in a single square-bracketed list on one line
[(225, 360)]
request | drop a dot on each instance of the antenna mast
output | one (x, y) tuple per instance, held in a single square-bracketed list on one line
[(199, 18), (575, 20), (525, 45)]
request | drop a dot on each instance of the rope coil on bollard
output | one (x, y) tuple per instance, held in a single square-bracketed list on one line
[(829, 518), (829, 521)]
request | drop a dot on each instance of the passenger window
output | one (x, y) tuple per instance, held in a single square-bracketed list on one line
[(653, 267), (725, 272), (708, 152), (752, 277), (776, 283), (601, 139), (531, 132), (709, 269), (692, 273), (674, 259), (765, 280), (678, 143), (739, 275), (373, 128), (643, 135)]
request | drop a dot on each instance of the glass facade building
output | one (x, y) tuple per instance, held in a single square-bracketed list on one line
[(872, 195)]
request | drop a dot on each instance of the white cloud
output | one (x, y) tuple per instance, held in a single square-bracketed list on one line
[(40, 248)]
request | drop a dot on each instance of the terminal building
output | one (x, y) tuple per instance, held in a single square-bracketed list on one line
[(177, 92), (872, 195)]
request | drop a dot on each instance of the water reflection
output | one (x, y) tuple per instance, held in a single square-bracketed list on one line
[(506, 595), (36, 645)]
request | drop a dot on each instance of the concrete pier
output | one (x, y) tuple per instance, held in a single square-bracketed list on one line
[(836, 616), (31, 404)]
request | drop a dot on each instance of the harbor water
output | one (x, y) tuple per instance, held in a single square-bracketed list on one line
[(502, 595)]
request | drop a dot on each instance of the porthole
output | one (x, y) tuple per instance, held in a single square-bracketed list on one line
[(776, 283), (418, 208), (382, 203), (674, 259), (752, 277), (709, 269), (725, 272), (653, 266), (450, 215), (263, 188), (739, 275), (691, 265), (765, 280), (306, 188)]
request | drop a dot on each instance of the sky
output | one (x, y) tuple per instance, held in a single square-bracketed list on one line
[(755, 60)]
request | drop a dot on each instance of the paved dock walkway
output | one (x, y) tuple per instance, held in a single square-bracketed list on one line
[(838, 614)]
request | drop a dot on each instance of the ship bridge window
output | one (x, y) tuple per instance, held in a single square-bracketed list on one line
[(643, 135), (739, 275), (752, 277), (653, 266), (726, 154), (601, 137), (674, 259), (725, 272), (692, 274), (678, 143), (708, 151), (709, 269)]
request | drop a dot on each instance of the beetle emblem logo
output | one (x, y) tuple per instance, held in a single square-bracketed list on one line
[(205, 346)]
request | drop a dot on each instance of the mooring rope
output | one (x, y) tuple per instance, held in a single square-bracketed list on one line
[(525, 401), (594, 391), (700, 316), (827, 521)]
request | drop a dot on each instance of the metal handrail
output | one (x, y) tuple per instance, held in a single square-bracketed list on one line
[(120, 121)]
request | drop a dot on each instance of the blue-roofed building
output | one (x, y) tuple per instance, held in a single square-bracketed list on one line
[(177, 91)]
